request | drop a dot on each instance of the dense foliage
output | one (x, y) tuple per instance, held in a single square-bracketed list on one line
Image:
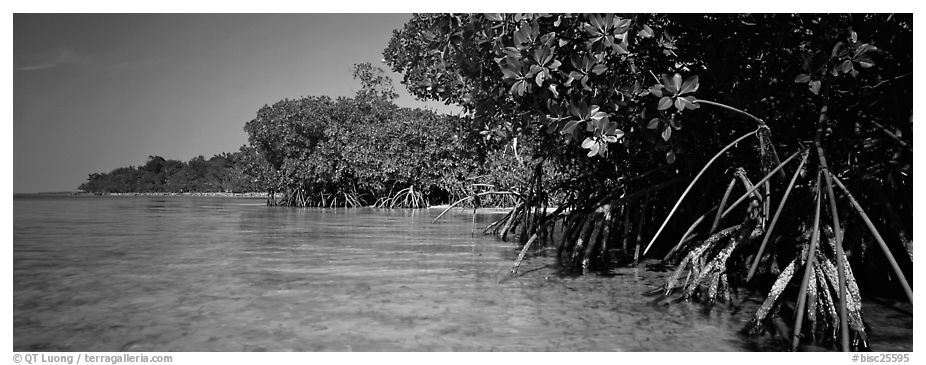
[(224, 172), (360, 151), (620, 109)]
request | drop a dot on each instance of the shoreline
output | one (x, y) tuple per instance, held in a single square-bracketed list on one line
[(204, 194), (264, 195)]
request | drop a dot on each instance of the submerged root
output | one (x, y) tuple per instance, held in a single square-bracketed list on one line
[(405, 198), (822, 311), (707, 265)]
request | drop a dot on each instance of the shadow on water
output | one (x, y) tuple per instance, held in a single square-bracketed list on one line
[(206, 274)]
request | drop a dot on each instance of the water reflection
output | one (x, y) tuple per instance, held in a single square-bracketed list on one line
[(201, 274)]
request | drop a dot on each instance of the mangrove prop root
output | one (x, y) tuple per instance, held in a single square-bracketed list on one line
[(472, 227), (887, 252), (693, 257), (758, 121), (853, 299), (749, 191), (569, 226), (758, 184), (767, 206), (808, 269), (826, 303), (723, 203), (741, 174), (636, 252), (690, 185), (584, 235), (606, 233), (590, 245), (812, 298), (771, 227), (670, 284), (527, 246), (687, 235), (818, 143), (780, 284), (712, 271), (472, 197), (770, 155), (626, 227), (596, 237), (496, 223), (512, 221), (834, 213), (893, 136)]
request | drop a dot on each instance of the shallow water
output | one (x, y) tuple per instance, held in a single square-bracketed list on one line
[(221, 274)]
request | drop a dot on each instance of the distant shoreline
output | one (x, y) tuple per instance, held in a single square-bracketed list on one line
[(250, 195), (202, 194)]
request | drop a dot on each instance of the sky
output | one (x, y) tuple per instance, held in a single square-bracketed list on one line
[(93, 92)]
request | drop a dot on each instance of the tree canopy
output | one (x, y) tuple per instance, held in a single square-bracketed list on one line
[(623, 108), (225, 172), (363, 150)]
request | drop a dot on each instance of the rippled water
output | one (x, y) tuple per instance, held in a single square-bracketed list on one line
[(219, 274)]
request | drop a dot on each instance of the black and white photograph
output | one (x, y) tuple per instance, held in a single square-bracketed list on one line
[(461, 182)]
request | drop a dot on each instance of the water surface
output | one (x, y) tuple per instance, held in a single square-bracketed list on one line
[(224, 274)]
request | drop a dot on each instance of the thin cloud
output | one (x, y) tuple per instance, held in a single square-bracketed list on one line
[(63, 57), (36, 67)]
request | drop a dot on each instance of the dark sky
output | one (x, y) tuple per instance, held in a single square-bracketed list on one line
[(93, 92)]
